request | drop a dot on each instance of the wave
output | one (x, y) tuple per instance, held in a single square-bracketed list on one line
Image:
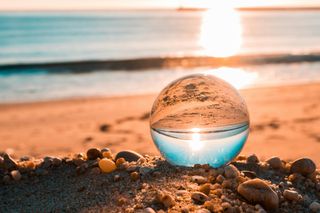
[(158, 63)]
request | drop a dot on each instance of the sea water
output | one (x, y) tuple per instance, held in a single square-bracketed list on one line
[(199, 119)]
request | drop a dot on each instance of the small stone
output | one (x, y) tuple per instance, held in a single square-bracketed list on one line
[(116, 178), (220, 179), (205, 188), (25, 158), (93, 154), (230, 171), (120, 161), (56, 161), (104, 127), (47, 162), (15, 174), (291, 195), (275, 163), (252, 159), (107, 165), (78, 161), (249, 174), (181, 192), (199, 197), (134, 176), (9, 163), (304, 166), (199, 179), (315, 207), (106, 153), (167, 200), (128, 155), (257, 191), (148, 210)]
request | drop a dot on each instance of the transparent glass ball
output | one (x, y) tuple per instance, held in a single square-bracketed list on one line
[(199, 119)]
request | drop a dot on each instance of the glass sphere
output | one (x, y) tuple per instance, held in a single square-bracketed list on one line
[(199, 119)]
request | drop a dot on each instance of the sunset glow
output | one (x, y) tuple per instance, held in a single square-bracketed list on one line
[(220, 33), (237, 77)]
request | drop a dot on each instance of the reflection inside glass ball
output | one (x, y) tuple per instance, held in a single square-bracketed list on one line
[(199, 119)]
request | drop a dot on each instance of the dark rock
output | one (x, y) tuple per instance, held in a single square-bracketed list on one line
[(9, 163), (259, 192), (93, 154), (304, 166), (128, 155)]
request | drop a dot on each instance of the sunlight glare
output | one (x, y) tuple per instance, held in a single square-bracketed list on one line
[(220, 33), (195, 143), (237, 77)]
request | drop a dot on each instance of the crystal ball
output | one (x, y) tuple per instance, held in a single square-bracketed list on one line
[(199, 119)]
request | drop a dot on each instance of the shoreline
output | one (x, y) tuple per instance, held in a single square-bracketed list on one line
[(284, 122), (140, 64)]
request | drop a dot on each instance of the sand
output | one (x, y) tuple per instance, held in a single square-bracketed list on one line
[(151, 184), (284, 122)]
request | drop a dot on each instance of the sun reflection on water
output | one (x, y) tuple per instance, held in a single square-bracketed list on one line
[(237, 77), (220, 33)]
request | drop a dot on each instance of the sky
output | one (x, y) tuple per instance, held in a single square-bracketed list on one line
[(143, 4)]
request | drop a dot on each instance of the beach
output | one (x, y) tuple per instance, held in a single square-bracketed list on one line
[(284, 121)]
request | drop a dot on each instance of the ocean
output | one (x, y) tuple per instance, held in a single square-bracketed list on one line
[(30, 39)]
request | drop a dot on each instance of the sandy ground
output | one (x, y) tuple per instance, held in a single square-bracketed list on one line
[(285, 121)]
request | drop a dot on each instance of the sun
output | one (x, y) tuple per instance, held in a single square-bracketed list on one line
[(221, 30)]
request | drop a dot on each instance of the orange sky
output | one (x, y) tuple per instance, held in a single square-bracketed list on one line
[(134, 4)]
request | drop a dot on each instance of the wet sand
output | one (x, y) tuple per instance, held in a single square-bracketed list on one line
[(284, 122)]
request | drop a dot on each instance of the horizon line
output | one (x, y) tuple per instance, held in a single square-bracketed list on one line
[(182, 9)]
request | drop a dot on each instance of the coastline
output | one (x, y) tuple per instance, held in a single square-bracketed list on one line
[(284, 123)]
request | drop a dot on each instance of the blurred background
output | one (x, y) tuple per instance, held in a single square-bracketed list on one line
[(76, 74)]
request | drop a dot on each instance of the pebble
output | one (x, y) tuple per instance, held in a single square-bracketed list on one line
[(120, 161), (304, 166), (249, 174), (9, 163), (275, 163), (314, 207), (15, 174), (78, 161), (128, 155), (107, 165), (199, 179), (104, 127), (230, 171), (252, 159), (291, 195), (199, 197), (148, 210), (116, 178), (1, 162), (257, 191), (134, 176), (205, 188), (167, 200), (181, 192), (106, 153), (93, 154)]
